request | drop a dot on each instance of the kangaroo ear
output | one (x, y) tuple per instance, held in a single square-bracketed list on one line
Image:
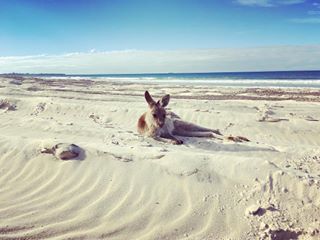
[(164, 101), (149, 99)]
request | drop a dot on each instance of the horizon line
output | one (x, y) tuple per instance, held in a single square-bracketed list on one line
[(156, 73)]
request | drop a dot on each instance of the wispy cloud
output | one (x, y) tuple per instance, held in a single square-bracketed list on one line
[(314, 12), (310, 17), (310, 20), (139, 61), (290, 2), (261, 3), (268, 3), (316, 4)]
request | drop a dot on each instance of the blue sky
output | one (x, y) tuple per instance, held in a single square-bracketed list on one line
[(61, 27)]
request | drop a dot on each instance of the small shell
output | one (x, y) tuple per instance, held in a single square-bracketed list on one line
[(66, 151)]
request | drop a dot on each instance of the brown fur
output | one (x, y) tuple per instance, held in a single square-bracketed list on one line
[(164, 126), (142, 126)]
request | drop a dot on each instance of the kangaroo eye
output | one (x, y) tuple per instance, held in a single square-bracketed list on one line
[(154, 115), (164, 115)]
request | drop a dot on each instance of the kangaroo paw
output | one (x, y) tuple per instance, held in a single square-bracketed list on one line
[(238, 139), (233, 139), (217, 131), (177, 142), (243, 139)]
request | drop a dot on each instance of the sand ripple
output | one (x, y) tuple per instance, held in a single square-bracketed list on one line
[(131, 187)]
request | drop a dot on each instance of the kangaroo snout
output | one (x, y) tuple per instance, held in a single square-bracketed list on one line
[(161, 123)]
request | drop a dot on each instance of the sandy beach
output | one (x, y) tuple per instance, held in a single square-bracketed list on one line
[(126, 186)]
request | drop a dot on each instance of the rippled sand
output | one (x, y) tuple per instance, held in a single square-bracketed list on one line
[(129, 187)]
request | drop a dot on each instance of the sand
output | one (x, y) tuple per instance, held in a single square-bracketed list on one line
[(126, 186)]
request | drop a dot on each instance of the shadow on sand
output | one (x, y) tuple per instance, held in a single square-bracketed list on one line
[(218, 145), (82, 155)]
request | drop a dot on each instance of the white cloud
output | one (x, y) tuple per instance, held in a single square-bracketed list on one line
[(139, 61), (268, 3), (261, 3), (317, 5), (314, 12), (310, 20), (314, 19), (290, 2)]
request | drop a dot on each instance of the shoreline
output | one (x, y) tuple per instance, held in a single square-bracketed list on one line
[(195, 91)]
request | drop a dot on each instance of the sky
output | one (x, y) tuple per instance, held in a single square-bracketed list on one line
[(136, 36)]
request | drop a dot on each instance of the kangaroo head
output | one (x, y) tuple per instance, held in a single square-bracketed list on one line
[(157, 113)]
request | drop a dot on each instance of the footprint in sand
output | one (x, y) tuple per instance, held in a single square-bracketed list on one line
[(156, 157), (98, 120), (188, 173), (146, 145), (256, 210), (266, 114), (6, 105), (311, 119), (270, 119), (229, 125), (280, 234), (120, 158), (39, 109)]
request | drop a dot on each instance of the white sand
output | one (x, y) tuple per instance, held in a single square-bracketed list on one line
[(130, 187)]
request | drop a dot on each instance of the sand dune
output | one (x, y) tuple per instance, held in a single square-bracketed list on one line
[(126, 186)]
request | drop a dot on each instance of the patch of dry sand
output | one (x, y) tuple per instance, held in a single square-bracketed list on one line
[(131, 187)]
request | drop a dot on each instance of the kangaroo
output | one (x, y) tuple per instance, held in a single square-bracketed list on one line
[(164, 125)]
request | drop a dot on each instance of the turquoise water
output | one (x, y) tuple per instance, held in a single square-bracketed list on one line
[(251, 79), (276, 75)]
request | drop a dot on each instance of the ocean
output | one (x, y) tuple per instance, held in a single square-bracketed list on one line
[(309, 79)]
